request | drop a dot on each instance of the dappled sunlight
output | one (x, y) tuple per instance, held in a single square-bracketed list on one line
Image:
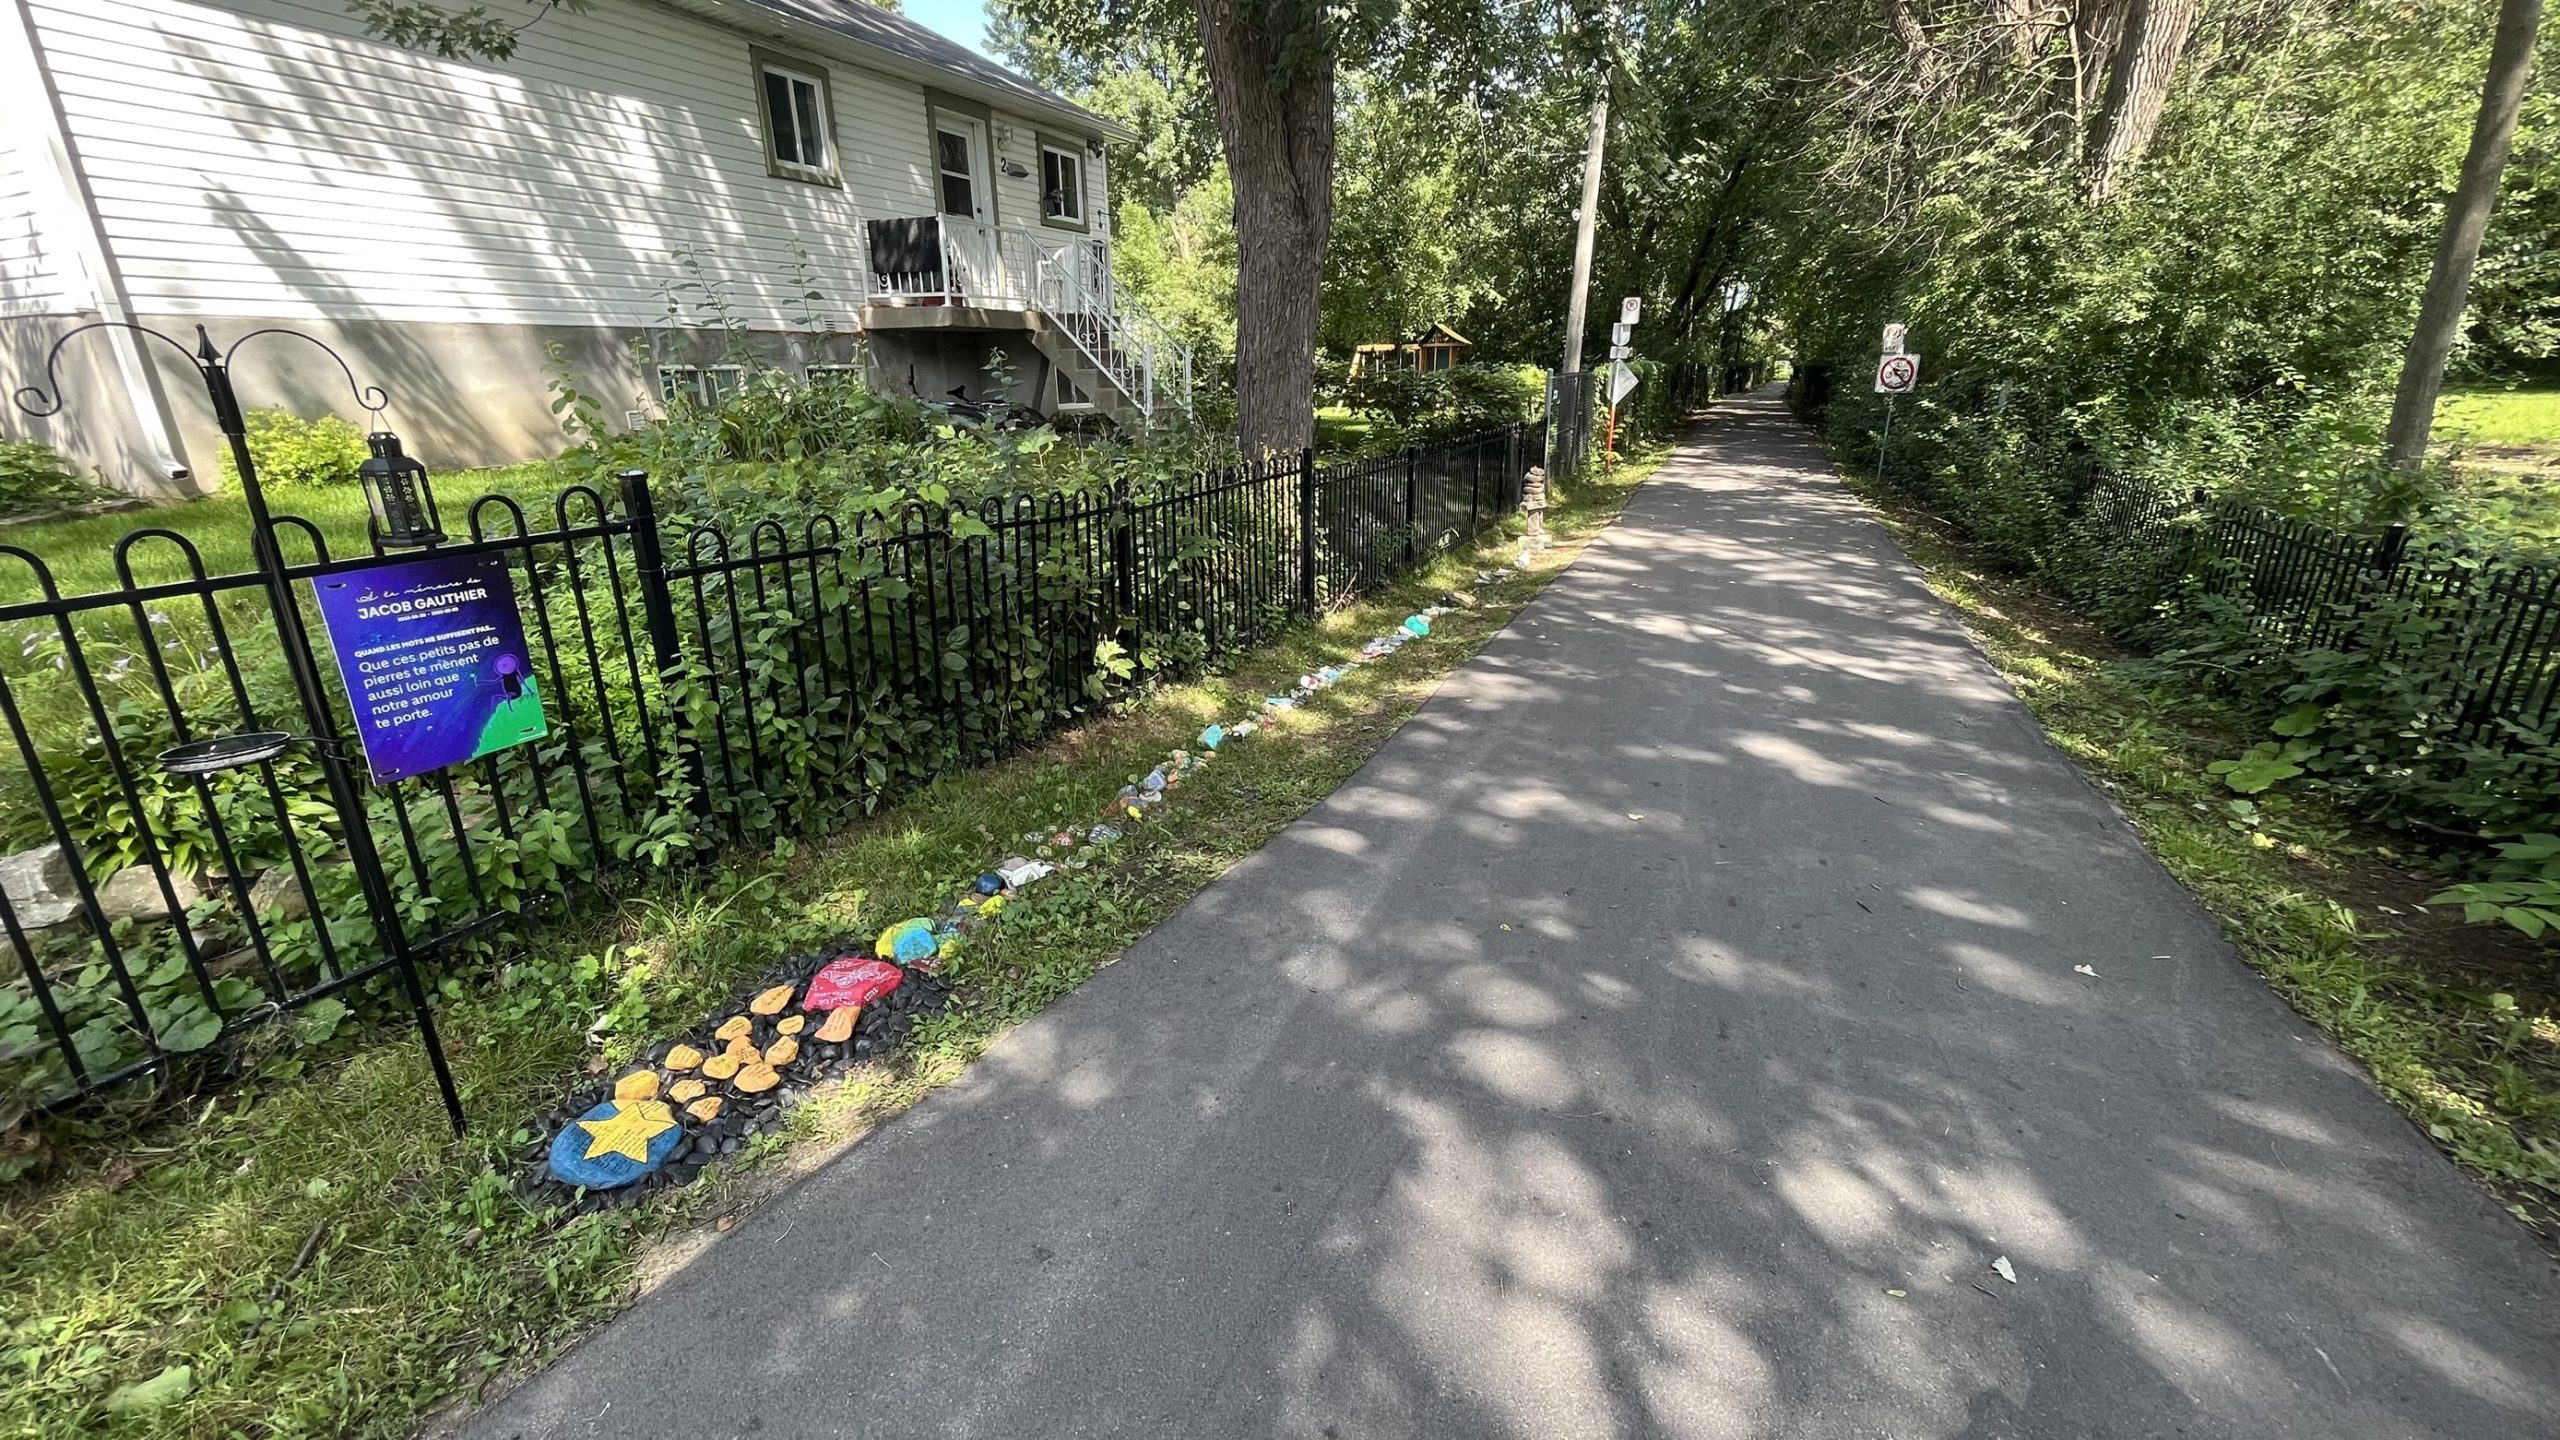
[(1477, 1106)]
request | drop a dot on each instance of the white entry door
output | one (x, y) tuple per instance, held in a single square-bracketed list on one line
[(960, 162)]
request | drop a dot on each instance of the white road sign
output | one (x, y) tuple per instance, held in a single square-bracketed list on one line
[(1630, 310), (1621, 352), (1894, 337), (1621, 333), (1897, 374), (1621, 380)]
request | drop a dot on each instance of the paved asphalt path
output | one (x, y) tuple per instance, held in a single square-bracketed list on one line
[(1694, 972)]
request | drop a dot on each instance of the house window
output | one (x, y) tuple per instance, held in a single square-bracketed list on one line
[(799, 142), (1061, 185), (700, 385)]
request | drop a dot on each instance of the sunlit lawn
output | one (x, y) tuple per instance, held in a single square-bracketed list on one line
[(2524, 417)]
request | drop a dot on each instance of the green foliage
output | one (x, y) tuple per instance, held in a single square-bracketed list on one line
[(1408, 405), (35, 477), (292, 453), (471, 33), (2521, 888)]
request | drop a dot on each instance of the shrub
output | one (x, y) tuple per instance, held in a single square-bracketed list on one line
[(34, 476), (1418, 404), (293, 453)]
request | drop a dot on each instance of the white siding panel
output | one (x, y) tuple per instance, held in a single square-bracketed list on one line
[(262, 157), (37, 277)]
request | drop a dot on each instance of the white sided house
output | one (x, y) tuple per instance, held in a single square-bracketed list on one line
[(855, 189)]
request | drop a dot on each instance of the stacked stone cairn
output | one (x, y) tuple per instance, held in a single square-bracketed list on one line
[(684, 1104)]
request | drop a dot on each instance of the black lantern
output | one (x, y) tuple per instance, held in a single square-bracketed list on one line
[(404, 505)]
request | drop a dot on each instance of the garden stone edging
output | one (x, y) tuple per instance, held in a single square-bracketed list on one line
[(684, 1104)]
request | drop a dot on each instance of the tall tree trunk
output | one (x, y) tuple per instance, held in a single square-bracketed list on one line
[(1271, 72), (2466, 219), (2145, 61)]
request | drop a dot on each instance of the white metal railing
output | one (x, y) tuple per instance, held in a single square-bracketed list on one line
[(1065, 280)]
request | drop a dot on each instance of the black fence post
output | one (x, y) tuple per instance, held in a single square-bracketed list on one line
[(2390, 550), (658, 611), (1124, 567), (1412, 522), (1307, 531)]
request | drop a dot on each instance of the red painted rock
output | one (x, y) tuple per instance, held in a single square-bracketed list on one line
[(853, 980)]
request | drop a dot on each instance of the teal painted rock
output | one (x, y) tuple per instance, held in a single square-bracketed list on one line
[(1416, 626), (615, 1144), (906, 942), (1210, 738)]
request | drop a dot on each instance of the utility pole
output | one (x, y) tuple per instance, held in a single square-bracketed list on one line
[(1582, 230)]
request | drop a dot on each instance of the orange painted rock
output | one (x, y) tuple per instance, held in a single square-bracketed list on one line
[(704, 1111), (638, 1085), (722, 1065), (756, 1079), (782, 1051), (683, 1057), (791, 1024), (771, 1001), (684, 1091), (734, 1027), (839, 1026)]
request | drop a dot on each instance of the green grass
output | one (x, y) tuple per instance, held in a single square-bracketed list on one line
[(2522, 417), (167, 1253), (81, 553), (1339, 430), (2458, 1026)]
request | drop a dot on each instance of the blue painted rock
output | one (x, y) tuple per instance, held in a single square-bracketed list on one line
[(1210, 737), (1416, 626), (907, 941), (615, 1144), (989, 883), (1154, 780)]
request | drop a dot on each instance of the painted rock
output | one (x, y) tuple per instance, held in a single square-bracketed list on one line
[(1018, 872), (991, 905), (686, 1091), (1416, 626), (907, 941), (743, 1051), (704, 1111), (1105, 834), (616, 1143), (851, 982), (1154, 780), (780, 1052), (1212, 737), (756, 1079), (790, 1024), (683, 1057), (771, 1001), (734, 1027), (722, 1066), (988, 883), (839, 1026), (638, 1085)]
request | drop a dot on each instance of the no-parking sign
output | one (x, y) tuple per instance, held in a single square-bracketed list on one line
[(1897, 374)]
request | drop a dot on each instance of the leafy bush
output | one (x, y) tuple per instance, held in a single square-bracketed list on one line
[(294, 453), (35, 477), (2522, 888), (1410, 405)]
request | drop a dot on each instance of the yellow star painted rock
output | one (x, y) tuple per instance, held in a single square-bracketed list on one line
[(628, 1131)]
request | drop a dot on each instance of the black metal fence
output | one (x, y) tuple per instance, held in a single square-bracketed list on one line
[(702, 687), (1571, 401), (2471, 640)]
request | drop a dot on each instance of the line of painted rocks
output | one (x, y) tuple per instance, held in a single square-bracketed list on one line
[(685, 1104)]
